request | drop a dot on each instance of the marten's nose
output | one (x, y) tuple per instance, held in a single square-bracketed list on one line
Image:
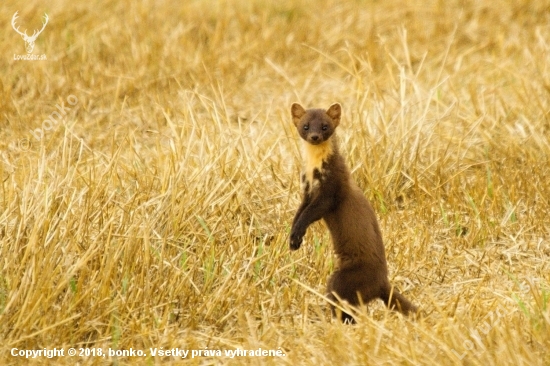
[(314, 137)]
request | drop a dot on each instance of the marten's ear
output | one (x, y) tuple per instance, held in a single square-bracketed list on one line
[(297, 112), (334, 113)]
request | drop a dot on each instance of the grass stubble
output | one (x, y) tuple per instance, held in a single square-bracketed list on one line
[(156, 213)]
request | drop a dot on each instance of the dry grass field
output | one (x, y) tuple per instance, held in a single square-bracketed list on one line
[(150, 172)]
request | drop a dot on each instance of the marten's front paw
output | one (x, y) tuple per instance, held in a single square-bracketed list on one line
[(295, 241)]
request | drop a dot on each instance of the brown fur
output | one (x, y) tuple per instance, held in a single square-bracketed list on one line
[(331, 194)]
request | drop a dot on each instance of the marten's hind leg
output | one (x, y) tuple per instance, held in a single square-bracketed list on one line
[(344, 317), (347, 284)]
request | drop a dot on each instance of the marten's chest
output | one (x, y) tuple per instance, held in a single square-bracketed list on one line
[(316, 165)]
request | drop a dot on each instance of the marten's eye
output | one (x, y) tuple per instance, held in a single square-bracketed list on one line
[(306, 127), (325, 127)]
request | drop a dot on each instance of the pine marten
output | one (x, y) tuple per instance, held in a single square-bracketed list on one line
[(329, 193)]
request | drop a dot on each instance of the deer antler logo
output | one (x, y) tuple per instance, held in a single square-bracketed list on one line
[(29, 41)]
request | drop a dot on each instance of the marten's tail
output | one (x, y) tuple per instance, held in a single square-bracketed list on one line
[(395, 301)]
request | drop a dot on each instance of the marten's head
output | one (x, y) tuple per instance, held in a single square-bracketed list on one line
[(316, 125)]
